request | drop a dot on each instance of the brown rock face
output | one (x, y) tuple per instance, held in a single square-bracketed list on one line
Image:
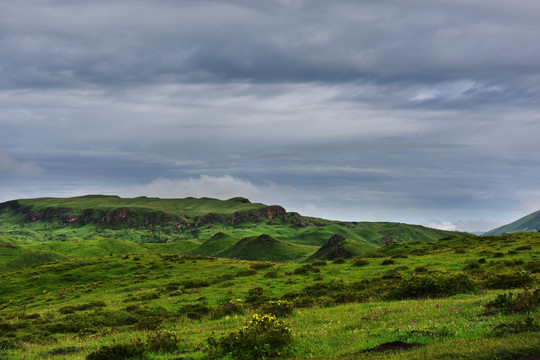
[(270, 211)]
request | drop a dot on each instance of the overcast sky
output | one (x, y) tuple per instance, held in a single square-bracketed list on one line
[(418, 111)]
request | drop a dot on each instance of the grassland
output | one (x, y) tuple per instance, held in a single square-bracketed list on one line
[(47, 229), (444, 299)]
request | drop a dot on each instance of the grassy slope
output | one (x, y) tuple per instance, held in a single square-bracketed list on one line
[(265, 247), (449, 328), (180, 207), (530, 222), (217, 243)]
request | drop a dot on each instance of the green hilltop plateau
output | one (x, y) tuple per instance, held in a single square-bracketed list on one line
[(46, 229)]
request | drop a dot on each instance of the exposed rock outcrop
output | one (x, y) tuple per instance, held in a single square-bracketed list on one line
[(332, 249)]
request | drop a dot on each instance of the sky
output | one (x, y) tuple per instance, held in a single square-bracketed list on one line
[(419, 111)]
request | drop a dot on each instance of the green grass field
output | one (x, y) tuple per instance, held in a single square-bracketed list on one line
[(442, 299)]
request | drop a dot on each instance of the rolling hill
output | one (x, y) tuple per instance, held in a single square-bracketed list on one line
[(527, 223), (46, 229)]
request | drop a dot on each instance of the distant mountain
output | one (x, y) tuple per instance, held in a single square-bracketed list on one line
[(527, 223)]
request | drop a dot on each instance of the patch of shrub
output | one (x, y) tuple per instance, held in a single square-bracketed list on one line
[(387, 262), (510, 302), (91, 305), (482, 261), (271, 274), (399, 256), (262, 337), (255, 296), (420, 269), (358, 261), (194, 311), (523, 247), (306, 269), (261, 265), (391, 274), (508, 280), (473, 265), (460, 250), (246, 272), (6, 344), (176, 293), (339, 260), (435, 284), (318, 262), (516, 327), (277, 308), (498, 254), (192, 284), (162, 340), (64, 351), (533, 266), (134, 348), (224, 277), (231, 306), (418, 252)]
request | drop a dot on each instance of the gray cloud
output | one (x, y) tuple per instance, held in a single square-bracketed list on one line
[(361, 110)]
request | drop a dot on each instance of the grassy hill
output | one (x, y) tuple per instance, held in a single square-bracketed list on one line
[(465, 297), (530, 222), (181, 226), (265, 247)]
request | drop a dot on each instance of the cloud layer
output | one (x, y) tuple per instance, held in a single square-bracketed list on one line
[(359, 110)]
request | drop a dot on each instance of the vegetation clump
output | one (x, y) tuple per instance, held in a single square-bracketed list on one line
[(119, 351), (524, 301), (277, 308), (262, 337)]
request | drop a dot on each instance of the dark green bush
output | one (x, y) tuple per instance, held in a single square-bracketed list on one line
[(516, 327), (194, 311), (262, 337), (318, 262), (192, 284), (339, 260), (246, 272), (420, 269), (525, 301), (435, 284), (533, 266), (134, 349), (498, 254), (228, 307), (277, 308), (508, 280), (306, 269), (91, 305), (387, 262), (358, 261), (162, 340), (261, 265), (271, 274)]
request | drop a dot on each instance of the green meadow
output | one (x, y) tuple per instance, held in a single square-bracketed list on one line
[(462, 297)]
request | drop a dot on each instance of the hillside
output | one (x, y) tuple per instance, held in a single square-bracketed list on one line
[(459, 298), (530, 222), (264, 247), (188, 226)]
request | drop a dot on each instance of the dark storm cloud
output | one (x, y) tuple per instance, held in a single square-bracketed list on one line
[(415, 111)]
